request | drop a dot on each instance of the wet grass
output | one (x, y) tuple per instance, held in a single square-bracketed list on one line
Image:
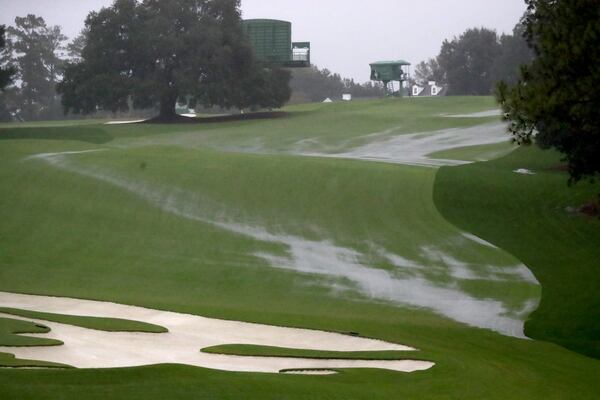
[(9, 361), (528, 216), (101, 324), (267, 351), (95, 135), (65, 233), (11, 331), (476, 153)]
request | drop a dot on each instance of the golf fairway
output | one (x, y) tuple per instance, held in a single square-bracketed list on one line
[(322, 220)]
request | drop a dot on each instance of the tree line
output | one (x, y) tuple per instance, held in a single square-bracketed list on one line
[(472, 63), (151, 54), (314, 85), (34, 54), (544, 75)]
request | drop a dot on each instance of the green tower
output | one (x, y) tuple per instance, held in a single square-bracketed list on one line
[(389, 72), (272, 43)]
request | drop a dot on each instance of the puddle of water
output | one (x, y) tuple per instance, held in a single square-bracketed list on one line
[(482, 114), (413, 149)]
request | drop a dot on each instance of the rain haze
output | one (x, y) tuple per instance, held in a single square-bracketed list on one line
[(346, 36)]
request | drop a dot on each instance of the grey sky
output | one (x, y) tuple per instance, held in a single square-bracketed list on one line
[(345, 35)]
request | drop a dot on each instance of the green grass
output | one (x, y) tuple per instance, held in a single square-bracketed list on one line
[(268, 351), (135, 224), (51, 124), (9, 361), (476, 153), (528, 217), (12, 329), (97, 323)]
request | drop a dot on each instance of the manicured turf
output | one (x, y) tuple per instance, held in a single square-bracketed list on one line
[(158, 218), (528, 216), (266, 351), (101, 324), (9, 361), (11, 331), (476, 153)]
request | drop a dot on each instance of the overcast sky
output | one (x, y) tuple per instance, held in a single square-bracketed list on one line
[(346, 35)]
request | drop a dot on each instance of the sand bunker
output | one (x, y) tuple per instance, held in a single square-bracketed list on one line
[(85, 348), (125, 122)]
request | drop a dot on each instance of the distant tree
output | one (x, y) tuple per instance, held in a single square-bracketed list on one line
[(467, 62), (314, 84), (76, 46), (36, 51), (6, 71), (514, 52), (556, 99), (429, 70), (6, 74), (158, 52)]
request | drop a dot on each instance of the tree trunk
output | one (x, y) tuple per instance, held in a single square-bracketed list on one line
[(168, 103)]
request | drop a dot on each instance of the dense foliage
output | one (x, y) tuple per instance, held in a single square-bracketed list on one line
[(156, 53), (474, 62), (468, 61), (35, 50), (6, 73), (556, 98)]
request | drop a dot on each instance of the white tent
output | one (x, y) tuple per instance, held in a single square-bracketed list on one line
[(328, 100)]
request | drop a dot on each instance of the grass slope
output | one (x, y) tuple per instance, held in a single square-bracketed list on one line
[(9, 361), (107, 230), (526, 215), (11, 329), (268, 351), (101, 324)]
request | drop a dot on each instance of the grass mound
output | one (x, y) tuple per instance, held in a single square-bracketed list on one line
[(528, 216), (9, 361), (11, 329), (97, 323), (268, 351)]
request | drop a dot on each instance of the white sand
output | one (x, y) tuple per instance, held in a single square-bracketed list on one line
[(125, 122), (85, 348)]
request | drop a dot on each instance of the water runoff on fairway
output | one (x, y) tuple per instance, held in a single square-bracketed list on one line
[(435, 281)]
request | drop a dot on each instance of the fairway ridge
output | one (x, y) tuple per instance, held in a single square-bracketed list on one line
[(85, 348)]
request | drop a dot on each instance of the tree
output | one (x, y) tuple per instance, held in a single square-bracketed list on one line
[(467, 62), (514, 52), (157, 52), (314, 84), (6, 72), (76, 46), (429, 70), (36, 52), (556, 101)]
